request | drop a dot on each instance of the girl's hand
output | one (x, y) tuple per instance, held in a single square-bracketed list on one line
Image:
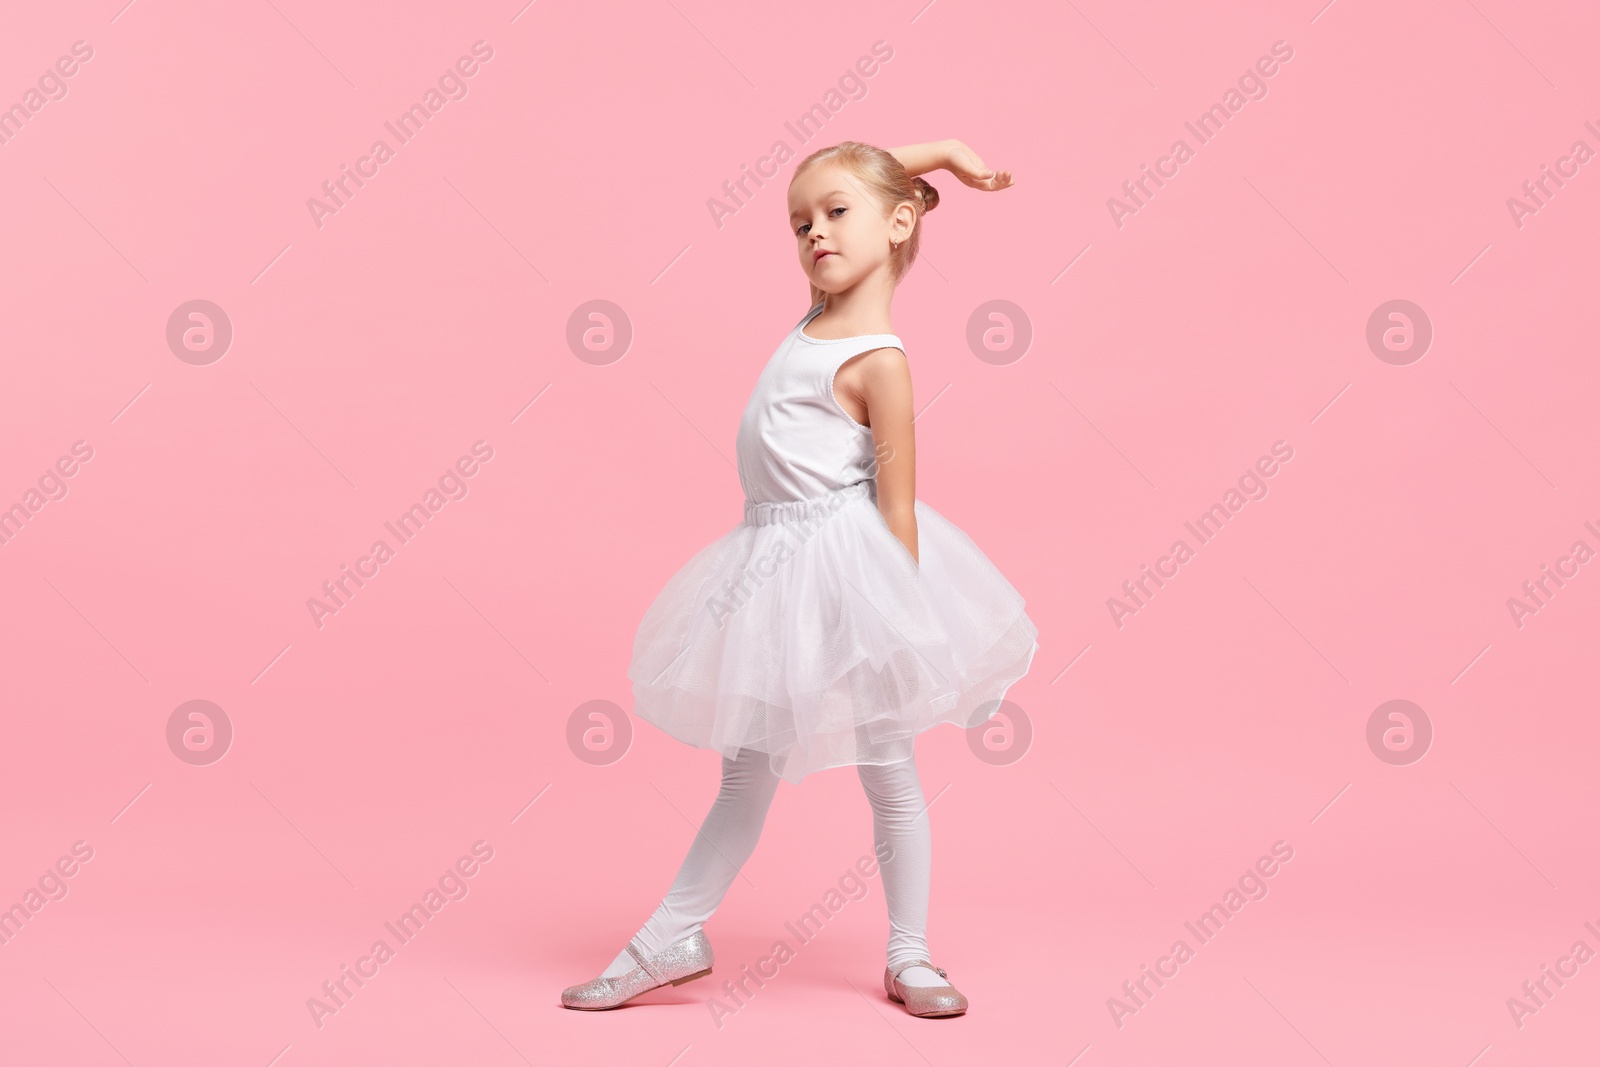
[(964, 163)]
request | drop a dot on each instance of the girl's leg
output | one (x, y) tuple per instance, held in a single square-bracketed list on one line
[(900, 817), (726, 840)]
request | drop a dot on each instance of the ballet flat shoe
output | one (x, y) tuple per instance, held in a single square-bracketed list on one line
[(924, 1001), (680, 962)]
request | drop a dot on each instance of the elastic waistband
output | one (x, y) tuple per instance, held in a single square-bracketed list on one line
[(765, 513)]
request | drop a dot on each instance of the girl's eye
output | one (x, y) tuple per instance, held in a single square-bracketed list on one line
[(801, 231)]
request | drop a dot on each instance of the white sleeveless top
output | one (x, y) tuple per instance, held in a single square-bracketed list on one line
[(795, 442)]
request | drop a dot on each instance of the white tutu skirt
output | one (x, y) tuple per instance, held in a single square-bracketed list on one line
[(809, 632)]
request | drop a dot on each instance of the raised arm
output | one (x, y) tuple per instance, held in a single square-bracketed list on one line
[(921, 158), (954, 156)]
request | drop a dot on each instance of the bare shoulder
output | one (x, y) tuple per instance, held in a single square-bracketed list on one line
[(876, 368), (875, 361), (876, 380)]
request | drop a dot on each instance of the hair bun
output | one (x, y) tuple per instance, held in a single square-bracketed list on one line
[(929, 195)]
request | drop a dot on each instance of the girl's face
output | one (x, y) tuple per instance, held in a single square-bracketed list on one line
[(841, 232)]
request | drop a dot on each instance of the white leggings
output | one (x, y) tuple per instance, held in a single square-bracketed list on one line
[(733, 825)]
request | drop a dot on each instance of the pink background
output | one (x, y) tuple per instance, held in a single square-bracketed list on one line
[(1168, 754)]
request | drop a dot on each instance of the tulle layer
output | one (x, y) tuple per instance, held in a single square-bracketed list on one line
[(820, 640)]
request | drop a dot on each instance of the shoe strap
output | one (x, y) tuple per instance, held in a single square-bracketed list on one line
[(919, 963), (644, 961)]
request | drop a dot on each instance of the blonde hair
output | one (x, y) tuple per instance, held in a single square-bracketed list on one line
[(885, 179)]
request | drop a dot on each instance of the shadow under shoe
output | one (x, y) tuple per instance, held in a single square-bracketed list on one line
[(680, 962), (924, 1001)]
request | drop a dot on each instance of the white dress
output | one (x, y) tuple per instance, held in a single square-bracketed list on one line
[(808, 631)]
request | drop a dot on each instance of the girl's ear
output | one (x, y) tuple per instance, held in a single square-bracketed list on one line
[(902, 222)]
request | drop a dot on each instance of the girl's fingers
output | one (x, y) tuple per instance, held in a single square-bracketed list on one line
[(972, 171)]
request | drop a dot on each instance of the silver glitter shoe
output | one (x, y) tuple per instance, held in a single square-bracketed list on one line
[(924, 1001), (680, 962)]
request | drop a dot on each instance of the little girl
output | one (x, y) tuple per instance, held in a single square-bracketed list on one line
[(843, 616)]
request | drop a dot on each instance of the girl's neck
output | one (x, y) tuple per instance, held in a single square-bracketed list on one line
[(851, 314)]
